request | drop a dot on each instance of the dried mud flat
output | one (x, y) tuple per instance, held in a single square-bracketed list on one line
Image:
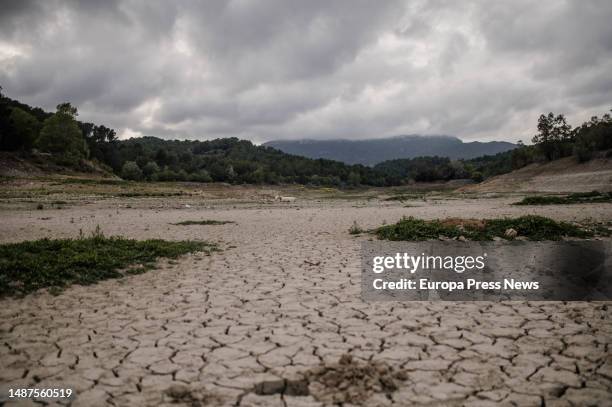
[(275, 319)]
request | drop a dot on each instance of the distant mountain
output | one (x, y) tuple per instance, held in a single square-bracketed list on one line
[(374, 151)]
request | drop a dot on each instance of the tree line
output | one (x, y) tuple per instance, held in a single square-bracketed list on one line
[(554, 139), (70, 142)]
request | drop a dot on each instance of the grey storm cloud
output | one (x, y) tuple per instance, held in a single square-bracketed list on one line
[(280, 69)]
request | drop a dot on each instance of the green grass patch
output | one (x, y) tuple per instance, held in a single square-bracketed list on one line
[(138, 194), (531, 227), (577, 198), (203, 222), (93, 181), (404, 197), (57, 263)]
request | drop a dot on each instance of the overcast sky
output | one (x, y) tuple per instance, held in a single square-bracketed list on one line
[(283, 69)]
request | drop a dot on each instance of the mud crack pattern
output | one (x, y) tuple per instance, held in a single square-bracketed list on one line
[(267, 321)]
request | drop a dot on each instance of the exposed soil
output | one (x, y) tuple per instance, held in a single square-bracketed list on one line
[(564, 175), (281, 305), (15, 164)]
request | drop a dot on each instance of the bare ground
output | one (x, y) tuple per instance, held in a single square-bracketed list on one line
[(270, 320), (564, 175)]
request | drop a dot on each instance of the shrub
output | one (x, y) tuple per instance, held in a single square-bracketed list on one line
[(532, 227), (477, 176), (416, 229), (582, 152), (167, 175), (200, 176), (355, 229), (131, 171), (150, 170), (576, 198), (354, 179)]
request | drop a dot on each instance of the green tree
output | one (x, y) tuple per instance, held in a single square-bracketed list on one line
[(477, 176), (200, 176), (167, 175), (354, 179), (67, 109), (521, 156), (103, 134), (592, 136), (131, 171), (259, 175), (150, 169), (61, 136), (552, 132), (25, 127)]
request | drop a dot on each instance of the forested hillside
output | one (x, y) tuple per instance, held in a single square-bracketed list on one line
[(70, 142)]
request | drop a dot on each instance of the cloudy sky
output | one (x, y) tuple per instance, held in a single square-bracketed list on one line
[(288, 69)]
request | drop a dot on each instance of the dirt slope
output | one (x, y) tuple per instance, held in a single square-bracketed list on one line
[(564, 175), (39, 164)]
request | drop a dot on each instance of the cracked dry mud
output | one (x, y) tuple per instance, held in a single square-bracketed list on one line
[(271, 320)]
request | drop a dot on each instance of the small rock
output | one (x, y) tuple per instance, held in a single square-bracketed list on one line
[(178, 391), (510, 233), (269, 387)]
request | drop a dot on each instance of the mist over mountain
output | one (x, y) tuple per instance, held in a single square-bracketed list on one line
[(374, 151)]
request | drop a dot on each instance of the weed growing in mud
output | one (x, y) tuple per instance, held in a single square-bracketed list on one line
[(203, 222), (31, 265), (530, 227), (577, 198), (355, 229)]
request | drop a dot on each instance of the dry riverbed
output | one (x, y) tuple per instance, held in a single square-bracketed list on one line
[(272, 319)]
